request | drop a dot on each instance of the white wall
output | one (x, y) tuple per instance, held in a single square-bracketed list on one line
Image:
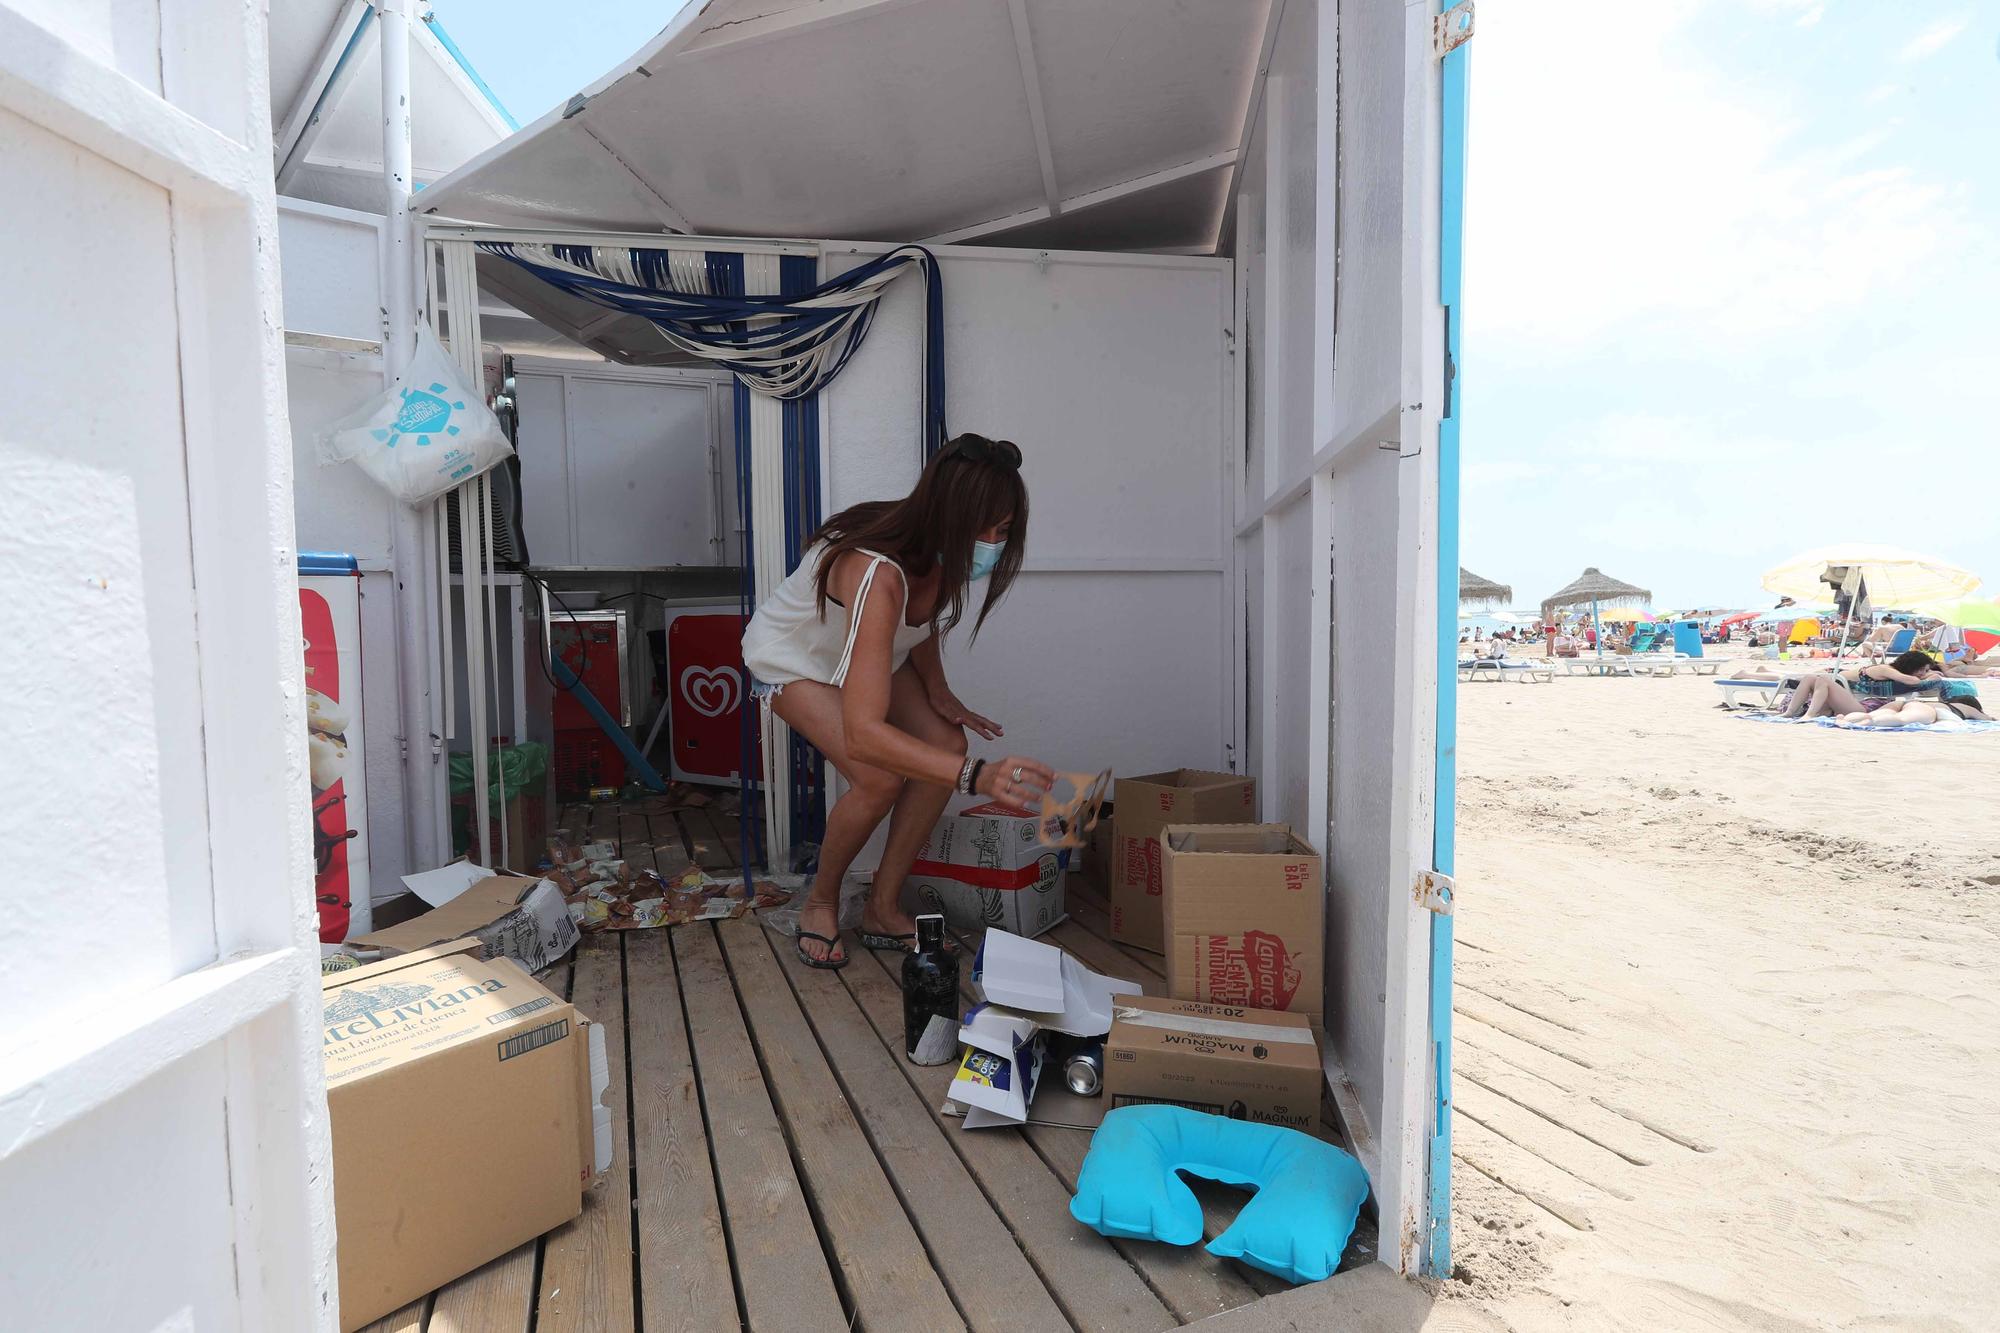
[(153, 739), (621, 466), (1335, 516), (1111, 373)]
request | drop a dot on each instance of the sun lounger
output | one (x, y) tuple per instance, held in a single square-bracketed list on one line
[(1764, 688), (1489, 668)]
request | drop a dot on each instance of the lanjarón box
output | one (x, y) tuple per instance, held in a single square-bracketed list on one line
[(462, 1096), (1246, 910), (1144, 806)]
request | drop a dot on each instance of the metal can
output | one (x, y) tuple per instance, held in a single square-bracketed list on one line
[(1084, 1070)]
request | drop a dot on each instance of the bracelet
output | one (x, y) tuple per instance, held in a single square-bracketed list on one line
[(965, 773), (972, 783)]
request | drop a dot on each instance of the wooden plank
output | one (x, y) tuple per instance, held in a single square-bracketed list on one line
[(587, 1262), (1087, 909), (989, 1278), (635, 837), (683, 1257), (888, 1276), (770, 1231), (409, 1319), (1191, 1281), (1091, 1278), (712, 840)]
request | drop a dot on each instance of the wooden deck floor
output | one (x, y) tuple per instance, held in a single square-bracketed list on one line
[(780, 1165)]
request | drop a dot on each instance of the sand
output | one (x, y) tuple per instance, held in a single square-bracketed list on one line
[(1727, 1036)]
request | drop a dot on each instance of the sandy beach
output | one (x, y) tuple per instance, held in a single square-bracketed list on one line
[(1727, 1043)]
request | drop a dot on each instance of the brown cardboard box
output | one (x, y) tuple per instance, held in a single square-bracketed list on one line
[(460, 1096), (1245, 906), (1145, 806), (512, 916), (1248, 1064), (1097, 851)]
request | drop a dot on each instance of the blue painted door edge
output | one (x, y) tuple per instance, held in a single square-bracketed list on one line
[(1451, 239)]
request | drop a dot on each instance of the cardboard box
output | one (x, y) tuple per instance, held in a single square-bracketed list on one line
[(1146, 805), (512, 916), (985, 867), (463, 1099), (1247, 1064), (1043, 983), (1245, 907), (1097, 848)]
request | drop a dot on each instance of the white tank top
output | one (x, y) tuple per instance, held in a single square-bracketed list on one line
[(789, 640)]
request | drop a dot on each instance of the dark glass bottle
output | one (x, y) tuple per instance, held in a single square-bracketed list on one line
[(930, 990)]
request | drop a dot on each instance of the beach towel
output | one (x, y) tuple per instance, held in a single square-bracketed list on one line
[(1947, 726)]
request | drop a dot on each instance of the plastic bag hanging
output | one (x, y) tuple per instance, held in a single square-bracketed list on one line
[(427, 434)]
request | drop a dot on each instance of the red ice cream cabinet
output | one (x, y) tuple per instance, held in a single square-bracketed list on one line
[(593, 645), (707, 686)]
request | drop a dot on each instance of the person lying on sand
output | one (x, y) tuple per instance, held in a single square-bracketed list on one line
[(1913, 712), (1863, 690)]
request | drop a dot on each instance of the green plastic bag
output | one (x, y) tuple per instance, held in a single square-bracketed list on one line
[(522, 767)]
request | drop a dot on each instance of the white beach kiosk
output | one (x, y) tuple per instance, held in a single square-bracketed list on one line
[(1199, 259)]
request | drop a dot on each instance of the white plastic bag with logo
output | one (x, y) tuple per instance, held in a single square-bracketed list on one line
[(428, 434)]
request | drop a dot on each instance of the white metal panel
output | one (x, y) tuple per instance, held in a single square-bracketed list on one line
[(544, 452), (332, 270), (1112, 374), (338, 507), (640, 460), (1105, 126), (619, 465), (888, 119)]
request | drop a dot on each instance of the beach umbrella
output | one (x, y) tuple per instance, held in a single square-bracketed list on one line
[(1594, 588), (1476, 591), (1735, 618), (1626, 616), (1976, 618), (1890, 575)]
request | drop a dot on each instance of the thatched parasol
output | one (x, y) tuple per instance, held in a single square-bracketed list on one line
[(1475, 591), (1592, 588)]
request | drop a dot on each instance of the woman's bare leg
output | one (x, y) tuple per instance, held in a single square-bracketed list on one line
[(813, 710), (1835, 698), (1805, 696), (917, 808)]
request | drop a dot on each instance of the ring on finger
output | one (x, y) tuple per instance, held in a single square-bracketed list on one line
[(1017, 773)]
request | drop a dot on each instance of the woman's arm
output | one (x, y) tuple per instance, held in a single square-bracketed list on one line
[(1881, 672), (928, 660)]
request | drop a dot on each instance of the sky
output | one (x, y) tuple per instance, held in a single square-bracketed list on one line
[(1731, 277), (1732, 269)]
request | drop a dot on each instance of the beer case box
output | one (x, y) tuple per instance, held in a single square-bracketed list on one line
[(1247, 1064), (465, 1103), (514, 916), (1245, 914), (1145, 805), (984, 866)]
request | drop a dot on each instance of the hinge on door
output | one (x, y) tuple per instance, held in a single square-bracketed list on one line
[(1451, 29), (1434, 891)]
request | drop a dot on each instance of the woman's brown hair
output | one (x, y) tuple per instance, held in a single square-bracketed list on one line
[(969, 486)]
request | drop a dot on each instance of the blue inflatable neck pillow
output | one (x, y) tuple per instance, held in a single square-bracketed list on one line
[(1308, 1192)]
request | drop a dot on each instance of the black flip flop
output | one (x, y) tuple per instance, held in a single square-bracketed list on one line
[(827, 964), (887, 943)]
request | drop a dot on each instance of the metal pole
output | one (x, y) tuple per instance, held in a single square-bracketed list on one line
[(1597, 629), (423, 747)]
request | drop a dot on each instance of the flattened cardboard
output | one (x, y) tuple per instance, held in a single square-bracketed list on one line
[(1045, 984), (997, 1071), (512, 916), (1144, 806), (459, 1096), (1247, 1064), (984, 865), (1245, 917)]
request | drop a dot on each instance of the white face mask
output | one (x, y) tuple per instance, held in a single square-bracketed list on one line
[(985, 558)]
